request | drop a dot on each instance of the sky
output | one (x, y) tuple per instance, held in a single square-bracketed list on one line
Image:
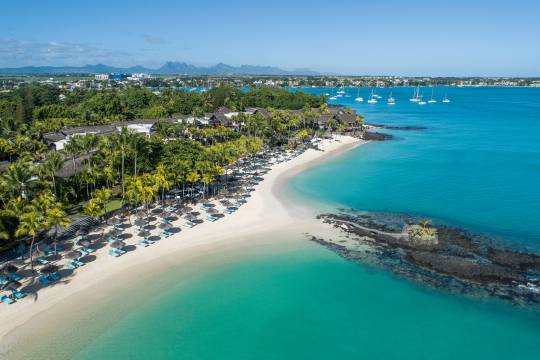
[(390, 37)]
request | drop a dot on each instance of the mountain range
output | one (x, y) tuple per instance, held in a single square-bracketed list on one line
[(169, 68)]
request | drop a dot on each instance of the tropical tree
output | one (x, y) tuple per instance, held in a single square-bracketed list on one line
[(31, 222), (52, 165), (56, 216)]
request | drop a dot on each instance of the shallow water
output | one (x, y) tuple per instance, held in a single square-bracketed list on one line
[(476, 166)]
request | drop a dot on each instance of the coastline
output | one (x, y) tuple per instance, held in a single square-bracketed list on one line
[(268, 209)]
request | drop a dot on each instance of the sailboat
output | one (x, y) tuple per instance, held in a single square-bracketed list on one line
[(420, 101), (391, 100), (358, 97), (432, 100), (372, 99), (446, 100), (416, 94)]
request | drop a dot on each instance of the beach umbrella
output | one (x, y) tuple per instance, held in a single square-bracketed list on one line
[(117, 244), (150, 227), (157, 211), (48, 269), (85, 243), (171, 218), (144, 233), (190, 217), (195, 213), (209, 205), (218, 215), (154, 238), (74, 254), (92, 237), (140, 222), (187, 209), (12, 285), (164, 226), (125, 236), (175, 230), (9, 269), (115, 221), (212, 211), (152, 218)]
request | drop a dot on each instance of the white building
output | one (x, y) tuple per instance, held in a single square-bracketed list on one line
[(102, 77)]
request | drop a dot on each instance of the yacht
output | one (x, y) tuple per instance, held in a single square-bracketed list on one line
[(391, 100), (446, 100), (341, 92), (372, 99), (432, 100), (333, 98), (416, 95), (358, 97)]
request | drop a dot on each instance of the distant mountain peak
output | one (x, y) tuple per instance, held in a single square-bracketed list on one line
[(168, 68)]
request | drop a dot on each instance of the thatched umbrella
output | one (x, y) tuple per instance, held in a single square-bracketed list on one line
[(93, 237), (115, 221), (49, 269), (165, 226), (154, 238), (171, 218), (9, 269), (12, 285), (117, 244), (140, 222), (210, 205), (74, 254), (186, 208), (175, 230), (149, 227), (157, 211), (85, 243), (212, 211), (190, 217), (144, 233)]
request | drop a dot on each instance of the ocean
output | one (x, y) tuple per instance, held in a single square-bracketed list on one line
[(475, 166)]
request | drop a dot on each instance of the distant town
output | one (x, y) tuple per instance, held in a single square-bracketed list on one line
[(202, 82)]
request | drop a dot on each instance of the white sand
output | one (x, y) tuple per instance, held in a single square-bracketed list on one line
[(264, 211)]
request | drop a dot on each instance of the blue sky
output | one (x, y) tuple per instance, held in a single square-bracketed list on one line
[(415, 37)]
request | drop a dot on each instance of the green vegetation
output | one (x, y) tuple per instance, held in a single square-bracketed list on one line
[(126, 167), (423, 231)]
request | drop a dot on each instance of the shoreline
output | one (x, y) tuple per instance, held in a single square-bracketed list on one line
[(266, 210)]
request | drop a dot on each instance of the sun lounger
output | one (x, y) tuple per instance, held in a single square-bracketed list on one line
[(143, 243), (18, 294), (3, 280), (112, 252), (53, 276), (43, 279), (6, 299), (42, 261), (79, 262), (211, 218), (15, 277), (71, 265)]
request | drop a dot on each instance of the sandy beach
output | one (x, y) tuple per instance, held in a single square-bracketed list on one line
[(265, 211)]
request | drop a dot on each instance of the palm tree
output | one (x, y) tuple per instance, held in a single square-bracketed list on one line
[(121, 142), (56, 216), (161, 180), (17, 176), (30, 223), (52, 165), (192, 177)]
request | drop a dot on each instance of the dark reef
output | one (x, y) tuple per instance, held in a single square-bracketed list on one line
[(456, 260), (369, 135)]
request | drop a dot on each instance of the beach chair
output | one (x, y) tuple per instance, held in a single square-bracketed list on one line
[(53, 276), (79, 262), (6, 299), (42, 261), (18, 294), (211, 218), (70, 265), (3, 280), (113, 253), (15, 277), (43, 279), (143, 243)]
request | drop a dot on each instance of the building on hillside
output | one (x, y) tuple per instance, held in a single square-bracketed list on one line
[(101, 77)]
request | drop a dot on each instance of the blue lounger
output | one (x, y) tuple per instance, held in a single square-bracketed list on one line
[(44, 280), (18, 294), (54, 276), (71, 265), (6, 299), (79, 262), (113, 253), (42, 261), (143, 243), (3, 280)]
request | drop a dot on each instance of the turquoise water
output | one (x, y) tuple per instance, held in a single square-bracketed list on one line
[(310, 304), (476, 166)]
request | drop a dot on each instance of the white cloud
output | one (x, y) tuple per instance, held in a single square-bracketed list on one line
[(15, 53)]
